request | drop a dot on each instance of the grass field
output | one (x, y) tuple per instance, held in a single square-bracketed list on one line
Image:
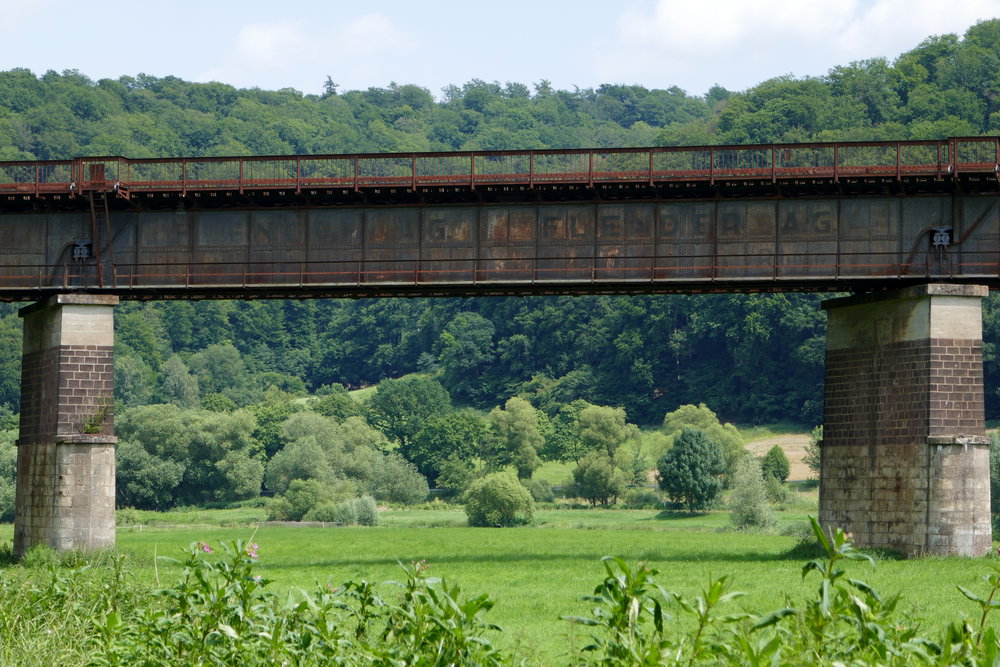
[(537, 574)]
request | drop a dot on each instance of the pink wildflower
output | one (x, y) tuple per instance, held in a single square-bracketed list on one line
[(204, 547)]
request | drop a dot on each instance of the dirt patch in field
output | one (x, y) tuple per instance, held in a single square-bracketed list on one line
[(794, 446)]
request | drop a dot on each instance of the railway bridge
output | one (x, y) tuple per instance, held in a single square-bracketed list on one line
[(911, 228)]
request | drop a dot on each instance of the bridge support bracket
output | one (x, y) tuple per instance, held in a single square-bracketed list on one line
[(66, 450), (905, 457)]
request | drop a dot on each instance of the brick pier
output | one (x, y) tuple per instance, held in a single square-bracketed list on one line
[(905, 458), (66, 450)]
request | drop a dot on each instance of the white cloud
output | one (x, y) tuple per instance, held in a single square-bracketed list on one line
[(270, 45), (738, 43), (286, 53)]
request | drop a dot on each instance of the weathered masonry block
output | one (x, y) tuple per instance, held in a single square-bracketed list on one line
[(905, 458), (66, 451)]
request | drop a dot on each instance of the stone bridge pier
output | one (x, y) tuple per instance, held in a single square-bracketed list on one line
[(905, 457), (66, 450)]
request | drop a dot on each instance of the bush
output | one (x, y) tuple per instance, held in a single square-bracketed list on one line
[(328, 513), (127, 516), (498, 500), (690, 472), (354, 512), (812, 455), (748, 504), (642, 498), (777, 492), (367, 511), (7, 501), (540, 490), (775, 463), (279, 509), (305, 494)]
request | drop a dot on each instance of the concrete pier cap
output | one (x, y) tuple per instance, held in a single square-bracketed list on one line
[(65, 496), (905, 457)]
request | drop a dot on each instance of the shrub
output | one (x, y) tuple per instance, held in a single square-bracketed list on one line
[(305, 494), (498, 500), (812, 455), (540, 490), (642, 498), (748, 504), (775, 463), (367, 511), (354, 512), (690, 471), (327, 512), (279, 509), (127, 516), (777, 492), (7, 501)]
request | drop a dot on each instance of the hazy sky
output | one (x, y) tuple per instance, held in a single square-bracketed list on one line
[(656, 43)]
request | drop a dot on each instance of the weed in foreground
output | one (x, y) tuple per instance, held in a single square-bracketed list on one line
[(221, 612)]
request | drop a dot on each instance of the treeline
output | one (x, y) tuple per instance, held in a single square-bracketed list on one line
[(946, 86)]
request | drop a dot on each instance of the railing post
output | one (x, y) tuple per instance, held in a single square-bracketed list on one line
[(472, 171)]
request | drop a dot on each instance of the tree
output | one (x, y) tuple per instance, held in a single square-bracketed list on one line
[(702, 418), (775, 463), (396, 480), (517, 436), (178, 385), (690, 472), (400, 407), (597, 480), (133, 385), (498, 500), (748, 501), (336, 402), (145, 480), (812, 455), (460, 434), (301, 459), (563, 442), (466, 346), (602, 427), (220, 370)]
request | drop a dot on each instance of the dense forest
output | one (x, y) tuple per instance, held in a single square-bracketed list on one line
[(751, 358)]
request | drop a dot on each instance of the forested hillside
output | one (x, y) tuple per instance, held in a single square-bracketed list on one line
[(749, 357)]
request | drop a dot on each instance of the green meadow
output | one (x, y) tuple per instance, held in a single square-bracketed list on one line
[(538, 573)]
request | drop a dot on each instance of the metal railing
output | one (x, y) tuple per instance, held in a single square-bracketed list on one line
[(708, 164)]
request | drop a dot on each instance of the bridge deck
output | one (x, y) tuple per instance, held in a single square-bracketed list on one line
[(726, 218)]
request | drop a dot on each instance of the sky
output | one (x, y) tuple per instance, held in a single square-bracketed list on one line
[(693, 44)]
